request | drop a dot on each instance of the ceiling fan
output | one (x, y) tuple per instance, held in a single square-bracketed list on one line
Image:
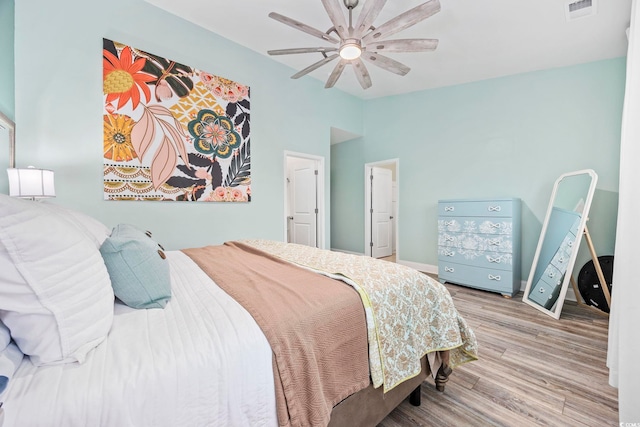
[(362, 40)]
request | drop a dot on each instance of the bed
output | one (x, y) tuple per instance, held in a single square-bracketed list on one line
[(103, 327)]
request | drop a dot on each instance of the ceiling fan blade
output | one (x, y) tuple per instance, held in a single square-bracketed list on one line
[(302, 27), (403, 21), (361, 73), (335, 74), (386, 63), (314, 66), (301, 50), (403, 45), (334, 10), (368, 14)]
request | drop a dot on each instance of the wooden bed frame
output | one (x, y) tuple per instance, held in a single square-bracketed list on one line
[(369, 406)]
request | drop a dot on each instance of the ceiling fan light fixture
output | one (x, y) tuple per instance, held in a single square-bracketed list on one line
[(362, 40), (350, 50)]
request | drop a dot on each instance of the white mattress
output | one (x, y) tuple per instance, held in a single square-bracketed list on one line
[(201, 361)]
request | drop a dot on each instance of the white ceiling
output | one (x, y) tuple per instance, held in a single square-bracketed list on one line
[(478, 39)]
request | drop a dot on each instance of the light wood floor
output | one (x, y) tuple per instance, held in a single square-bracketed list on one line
[(533, 370), (391, 258)]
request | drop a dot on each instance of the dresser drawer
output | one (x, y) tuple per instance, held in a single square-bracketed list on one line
[(476, 242), (574, 226), (561, 258), (475, 225), (491, 260), (477, 277), (552, 276), (544, 294), (482, 208)]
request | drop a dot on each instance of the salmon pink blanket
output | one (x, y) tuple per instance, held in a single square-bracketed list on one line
[(315, 326)]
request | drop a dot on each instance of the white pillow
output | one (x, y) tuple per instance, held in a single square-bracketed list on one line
[(55, 292), (89, 225)]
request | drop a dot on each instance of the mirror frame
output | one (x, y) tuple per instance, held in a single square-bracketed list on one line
[(557, 308), (8, 124)]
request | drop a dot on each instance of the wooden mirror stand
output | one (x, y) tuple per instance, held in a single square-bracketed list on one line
[(603, 281)]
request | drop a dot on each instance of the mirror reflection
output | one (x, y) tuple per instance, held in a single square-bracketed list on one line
[(559, 241)]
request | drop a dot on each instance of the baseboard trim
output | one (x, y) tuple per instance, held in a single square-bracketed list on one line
[(346, 252), (425, 268)]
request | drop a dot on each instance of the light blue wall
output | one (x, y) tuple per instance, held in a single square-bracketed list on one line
[(347, 195), (505, 137), (7, 103), (58, 110)]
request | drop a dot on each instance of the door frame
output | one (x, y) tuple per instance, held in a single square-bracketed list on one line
[(320, 194), (367, 204)]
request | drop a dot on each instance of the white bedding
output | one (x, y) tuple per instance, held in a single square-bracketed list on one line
[(201, 361)]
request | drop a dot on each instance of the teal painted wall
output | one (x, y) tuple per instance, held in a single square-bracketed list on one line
[(58, 111), (7, 80), (505, 137), (347, 195), (7, 94)]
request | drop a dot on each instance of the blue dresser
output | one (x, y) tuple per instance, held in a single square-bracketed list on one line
[(479, 244), (561, 235)]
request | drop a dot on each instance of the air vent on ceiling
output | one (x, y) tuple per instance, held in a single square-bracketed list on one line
[(575, 9)]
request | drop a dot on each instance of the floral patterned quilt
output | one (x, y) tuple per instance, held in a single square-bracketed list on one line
[(408, 313)]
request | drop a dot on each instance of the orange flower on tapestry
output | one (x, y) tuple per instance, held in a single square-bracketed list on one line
[(122, 79), (171, 131), (117, 138)]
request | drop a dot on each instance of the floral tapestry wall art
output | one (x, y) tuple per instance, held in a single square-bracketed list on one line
[(172, 132)]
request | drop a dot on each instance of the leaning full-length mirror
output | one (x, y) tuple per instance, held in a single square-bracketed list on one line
[(560, 238)]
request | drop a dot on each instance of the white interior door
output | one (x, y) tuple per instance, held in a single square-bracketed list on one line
[(381, 212), (394, 209), (304, 201)]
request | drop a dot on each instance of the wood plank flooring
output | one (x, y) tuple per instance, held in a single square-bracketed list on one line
[(533, 370)]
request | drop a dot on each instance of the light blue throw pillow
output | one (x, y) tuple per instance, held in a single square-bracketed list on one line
[(138, 267)]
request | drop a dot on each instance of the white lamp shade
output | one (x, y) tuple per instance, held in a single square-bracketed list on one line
[(31, 183)]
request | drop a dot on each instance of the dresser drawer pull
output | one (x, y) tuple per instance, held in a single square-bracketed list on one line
[(449, 208), (494, 208), (570, 243), (551, 274), (449, 253), (496, 259), (494, 242), (449, 269), (449, 223), (492, 277), (542, 290), (496, 225)]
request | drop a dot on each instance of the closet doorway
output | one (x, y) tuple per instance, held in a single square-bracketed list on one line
[(304, 199), (381, 208)]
